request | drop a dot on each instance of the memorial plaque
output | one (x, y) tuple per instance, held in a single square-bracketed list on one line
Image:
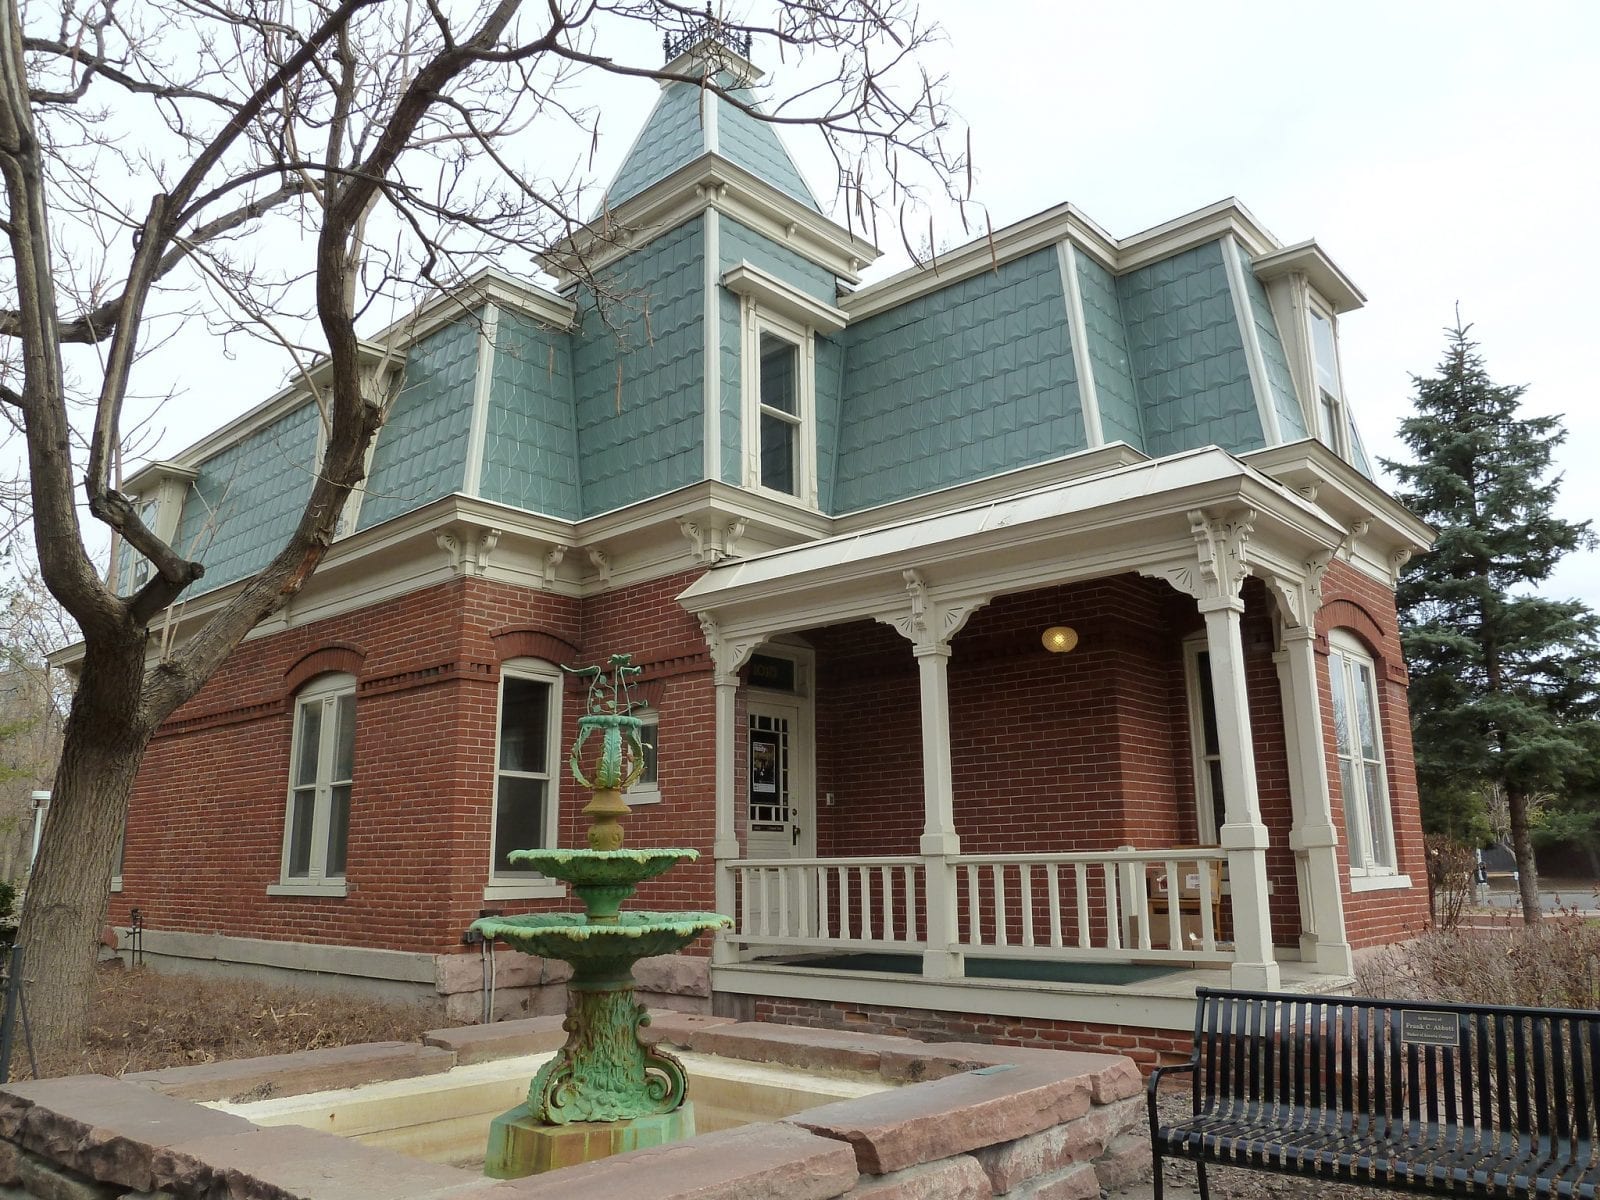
[(1418, 1027)]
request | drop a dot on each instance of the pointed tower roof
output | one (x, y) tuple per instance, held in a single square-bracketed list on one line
[(689, 121)]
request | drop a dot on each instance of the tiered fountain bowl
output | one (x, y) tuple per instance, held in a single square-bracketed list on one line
[(605, 1091)]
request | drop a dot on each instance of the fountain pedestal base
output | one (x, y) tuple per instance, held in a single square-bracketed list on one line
[(520, 1144)]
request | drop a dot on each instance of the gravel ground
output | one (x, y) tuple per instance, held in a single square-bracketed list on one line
[(1231, 1182)]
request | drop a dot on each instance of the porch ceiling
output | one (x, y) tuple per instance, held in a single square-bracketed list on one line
[(1132, 518)]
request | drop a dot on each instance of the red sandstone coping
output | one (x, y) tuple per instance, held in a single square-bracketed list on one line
[(810, 1049), (754, 1162), (298, 1073), (906, 1126), (289, 1161), (503, 1039), (105, 1128), (1013, 1116)]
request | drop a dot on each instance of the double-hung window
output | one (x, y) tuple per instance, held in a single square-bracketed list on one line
[(1333, 425), (1206, 742), (526, 773), (321, 773), (779, 405), (647, 788), (1358, 743)]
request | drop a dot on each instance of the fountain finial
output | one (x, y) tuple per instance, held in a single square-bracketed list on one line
[(621, 759)]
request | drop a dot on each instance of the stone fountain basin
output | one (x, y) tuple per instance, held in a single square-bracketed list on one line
[(576, 939), (605, 868)]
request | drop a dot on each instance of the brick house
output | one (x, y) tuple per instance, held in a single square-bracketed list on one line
[(1018, 636)]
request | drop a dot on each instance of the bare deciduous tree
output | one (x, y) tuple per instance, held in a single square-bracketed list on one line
[(298, 165)]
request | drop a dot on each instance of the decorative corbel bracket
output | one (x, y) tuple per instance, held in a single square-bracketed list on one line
[(552, 561), (1217, 573), (469, 548), (714, 541), (1300, 598), (729, 651), (601, 562), (929, 621)]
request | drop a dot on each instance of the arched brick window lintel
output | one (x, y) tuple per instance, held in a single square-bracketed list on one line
[(342, 657), (530, 641)]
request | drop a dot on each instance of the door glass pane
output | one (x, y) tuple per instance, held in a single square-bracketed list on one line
[(338, 829), (524, 725), (779, 363), (305, 771), (769, 772), (777, 453), (518, 822), (1219, 809), (344, 746), (303, 811)]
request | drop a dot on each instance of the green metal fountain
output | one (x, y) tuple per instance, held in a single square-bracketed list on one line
[(605, 1091)]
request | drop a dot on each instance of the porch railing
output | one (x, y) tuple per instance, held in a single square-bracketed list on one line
[(1115, 906), (831, 903)]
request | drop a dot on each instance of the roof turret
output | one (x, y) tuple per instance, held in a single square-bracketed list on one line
[(689, 120)]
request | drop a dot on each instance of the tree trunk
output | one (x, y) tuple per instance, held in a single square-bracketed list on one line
[(1522, 847), (71, 881)]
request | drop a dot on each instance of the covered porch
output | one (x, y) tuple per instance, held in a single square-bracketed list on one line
[(935, 808)]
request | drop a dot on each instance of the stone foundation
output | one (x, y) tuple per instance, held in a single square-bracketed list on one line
[(970, 1120)]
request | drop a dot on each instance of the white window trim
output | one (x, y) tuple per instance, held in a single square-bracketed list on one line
[(1372, 876), (754, 321), (647, 793), (1193, 647), (326, 690), (1378, 883), (528, 885)]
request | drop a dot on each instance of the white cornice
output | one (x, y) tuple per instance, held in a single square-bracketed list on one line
[(783, 298), (155, 473), (1064, 222), (710, 181), (1309, 259), (1315, 471)]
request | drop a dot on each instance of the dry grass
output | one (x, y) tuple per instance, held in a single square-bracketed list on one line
[(1555, 964), (141, 1020)]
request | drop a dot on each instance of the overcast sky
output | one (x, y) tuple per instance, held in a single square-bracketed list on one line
[(1439, 152)]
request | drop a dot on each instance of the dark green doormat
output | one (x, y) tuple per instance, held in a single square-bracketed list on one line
[(994, 968)]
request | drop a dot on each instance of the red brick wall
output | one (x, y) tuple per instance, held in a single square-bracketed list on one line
[(1359, 605), (208, 809), (1084, 751), (1147, 1047)]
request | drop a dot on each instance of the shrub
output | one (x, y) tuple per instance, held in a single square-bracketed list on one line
[(1451, 877), (1555, 964)]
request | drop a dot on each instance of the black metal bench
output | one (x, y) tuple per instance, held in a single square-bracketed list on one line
[(1452, 1099)]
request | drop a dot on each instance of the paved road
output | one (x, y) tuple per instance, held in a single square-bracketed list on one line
[(1553, 894)]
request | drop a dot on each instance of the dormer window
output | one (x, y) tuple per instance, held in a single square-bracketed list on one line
[(157, 493), (779, 324), (1333, 425), (780, 414)]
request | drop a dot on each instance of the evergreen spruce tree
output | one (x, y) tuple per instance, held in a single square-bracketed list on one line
[(1505, 680)]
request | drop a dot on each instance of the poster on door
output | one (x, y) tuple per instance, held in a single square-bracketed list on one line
[(763, 765)]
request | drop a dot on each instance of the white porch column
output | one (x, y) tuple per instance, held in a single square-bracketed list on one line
[(1221, 544), (929, 624), (1314, 838), (727, 656)]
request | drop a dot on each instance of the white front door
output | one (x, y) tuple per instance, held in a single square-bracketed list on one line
[(779, 800)]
